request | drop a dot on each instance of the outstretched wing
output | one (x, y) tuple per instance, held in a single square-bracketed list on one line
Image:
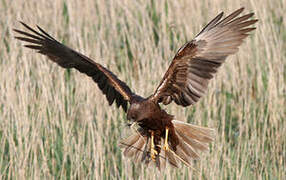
[(113, 88), (197, 61)]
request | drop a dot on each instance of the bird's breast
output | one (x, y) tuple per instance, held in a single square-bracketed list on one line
[(155, 123)]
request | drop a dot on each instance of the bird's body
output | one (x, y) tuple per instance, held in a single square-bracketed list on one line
[(149, 116), (182, 139), (160, 137)]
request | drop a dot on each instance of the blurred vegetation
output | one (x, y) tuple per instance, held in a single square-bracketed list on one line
[(55, 123)]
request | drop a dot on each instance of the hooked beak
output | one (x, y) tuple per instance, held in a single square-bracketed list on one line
[(131, 124)]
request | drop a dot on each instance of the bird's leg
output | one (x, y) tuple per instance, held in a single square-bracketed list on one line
[(166, 145), (153, 151)]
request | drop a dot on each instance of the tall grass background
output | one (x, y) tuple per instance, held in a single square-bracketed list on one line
[(56, 124)]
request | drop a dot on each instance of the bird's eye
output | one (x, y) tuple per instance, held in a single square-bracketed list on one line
[(131, 117)]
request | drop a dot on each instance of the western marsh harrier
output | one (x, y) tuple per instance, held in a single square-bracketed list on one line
[(185, 82)]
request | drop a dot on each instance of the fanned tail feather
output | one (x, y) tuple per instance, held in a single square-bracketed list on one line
[(137, 146), (192, 139)]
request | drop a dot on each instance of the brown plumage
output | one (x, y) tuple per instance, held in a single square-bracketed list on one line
[(159, 138)]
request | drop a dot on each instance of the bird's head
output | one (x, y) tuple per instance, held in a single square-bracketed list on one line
[(141, 110)]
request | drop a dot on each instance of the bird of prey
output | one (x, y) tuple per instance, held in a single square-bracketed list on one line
[(159, 138)]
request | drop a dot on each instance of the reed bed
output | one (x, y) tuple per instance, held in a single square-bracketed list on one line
[(56, 124)]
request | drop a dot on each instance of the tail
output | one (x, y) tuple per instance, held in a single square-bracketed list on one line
[(192, 139), (137, 146)]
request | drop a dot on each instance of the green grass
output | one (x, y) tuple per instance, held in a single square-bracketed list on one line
[(56, 124)]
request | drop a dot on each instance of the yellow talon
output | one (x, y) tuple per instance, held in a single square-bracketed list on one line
[(153, 151), (166, 145)]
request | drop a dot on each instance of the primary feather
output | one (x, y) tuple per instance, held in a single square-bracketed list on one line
[(113, 88), (195, 63)]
